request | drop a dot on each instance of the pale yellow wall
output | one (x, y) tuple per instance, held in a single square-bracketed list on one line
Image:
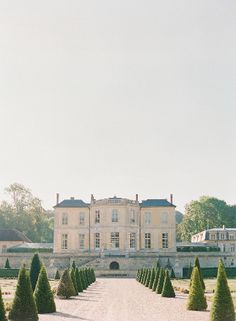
[(106, 226), (157, 227), (73, 228)]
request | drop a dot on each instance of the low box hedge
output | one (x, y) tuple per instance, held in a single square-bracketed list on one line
[(198, 249), (9, 273), (210, 272)]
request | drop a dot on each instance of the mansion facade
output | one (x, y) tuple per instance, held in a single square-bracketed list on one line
[(114, 225)]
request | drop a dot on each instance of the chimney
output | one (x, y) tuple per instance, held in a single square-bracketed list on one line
[(171, 198), (92, 199), (136, 198), (57, 198), (72, 198)]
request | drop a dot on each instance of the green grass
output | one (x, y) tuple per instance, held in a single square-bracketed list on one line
[(8, 287), (210, 286)]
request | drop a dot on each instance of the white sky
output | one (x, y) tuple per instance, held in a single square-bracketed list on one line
[(118, 97)]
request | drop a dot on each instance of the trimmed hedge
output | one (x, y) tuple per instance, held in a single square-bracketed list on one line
[(211, 272), (198, 249), (9, 273), (26, 250)]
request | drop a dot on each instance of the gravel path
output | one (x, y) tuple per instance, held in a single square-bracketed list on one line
[(123, 300)]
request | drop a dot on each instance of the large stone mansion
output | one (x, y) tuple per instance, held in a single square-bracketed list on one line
[(114, 225)]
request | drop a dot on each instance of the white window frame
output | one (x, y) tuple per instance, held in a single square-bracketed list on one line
[(81, 241), (114, 216), (64, 219), (64, 241), (132, 240), (97, 240), (147, 218), (165, 240), (132, 218), (81, 218), (115, 240), (164, 218), (97, 216), (147, 241)]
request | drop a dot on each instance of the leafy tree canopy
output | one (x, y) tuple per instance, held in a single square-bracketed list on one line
[(207, 212), (24, 212)]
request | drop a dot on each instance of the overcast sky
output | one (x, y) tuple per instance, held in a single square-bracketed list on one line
[(118, 97)]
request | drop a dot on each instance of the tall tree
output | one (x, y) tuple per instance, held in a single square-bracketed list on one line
[(207, 212), (24, 212)]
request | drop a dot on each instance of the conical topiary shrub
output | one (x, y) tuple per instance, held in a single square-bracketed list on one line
[(148, 278), (72, 275), (222, 308), (172, 274), (152, 277), (196, 298), (57, 275), (78, 280), (7, 264), (160, 281), (168, 290), (82, 279), (154, 286), (158, 265), (73, 266), (35, 270), (144, 276), (23, 306), (65, 287), (43, 294), (2, 309), (94, 275), (197, 264)]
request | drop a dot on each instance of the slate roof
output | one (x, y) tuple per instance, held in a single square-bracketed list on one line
[(13, 235), (33, 246), (72, 203), (156, 203)]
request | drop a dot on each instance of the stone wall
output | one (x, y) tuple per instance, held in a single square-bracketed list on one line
[(127, 265)]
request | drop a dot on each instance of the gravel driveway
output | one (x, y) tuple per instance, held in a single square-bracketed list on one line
[(123, 300)]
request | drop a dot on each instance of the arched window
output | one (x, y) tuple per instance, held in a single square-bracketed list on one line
[(114, 266)]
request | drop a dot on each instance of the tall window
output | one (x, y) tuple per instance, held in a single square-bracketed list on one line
[(115, 242), (222, 236), (81, 241), (147, 218), (212, 237), (132, 216), (81, 218), (164, 218), (114, 217), (97, 216), (165, 240), (231, 236), (232, 247), (64, 219), (132, 240), (147, 240), (64, 241), (97, 240)]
